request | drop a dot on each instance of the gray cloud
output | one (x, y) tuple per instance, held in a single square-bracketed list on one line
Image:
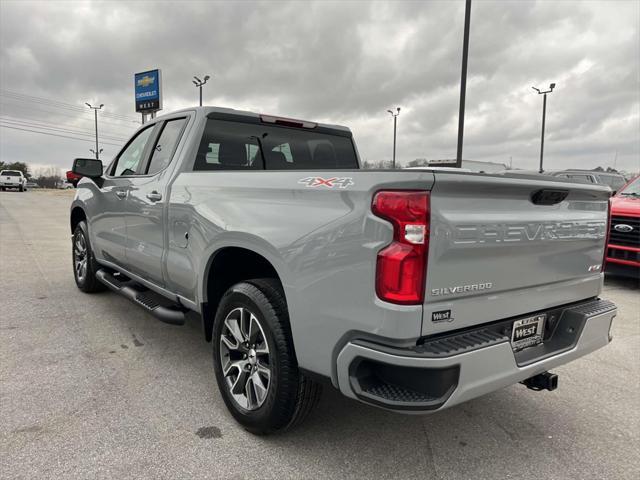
[(340, 62)]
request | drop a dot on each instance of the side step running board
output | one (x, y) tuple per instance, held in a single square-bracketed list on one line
[(173, 314)]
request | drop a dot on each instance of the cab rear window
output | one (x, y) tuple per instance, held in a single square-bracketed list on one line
[(229, 145)]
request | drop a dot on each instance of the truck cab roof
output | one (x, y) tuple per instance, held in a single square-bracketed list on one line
[(222, 112)]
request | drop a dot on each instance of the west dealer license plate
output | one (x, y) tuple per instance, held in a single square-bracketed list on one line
[(527, 332)]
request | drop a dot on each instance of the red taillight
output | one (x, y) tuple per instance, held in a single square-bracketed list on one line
[(402, 265)]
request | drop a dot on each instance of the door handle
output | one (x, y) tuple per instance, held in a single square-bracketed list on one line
[(121, 193), (154, 196)]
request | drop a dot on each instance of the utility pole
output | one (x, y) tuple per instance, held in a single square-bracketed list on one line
[(395, 128), (199, 83), (544, 114), (95, 112), (463, 81)]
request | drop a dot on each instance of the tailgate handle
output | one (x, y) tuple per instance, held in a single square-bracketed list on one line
[(548, 196)]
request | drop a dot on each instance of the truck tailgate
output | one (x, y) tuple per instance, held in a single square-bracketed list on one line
[(502, 247)]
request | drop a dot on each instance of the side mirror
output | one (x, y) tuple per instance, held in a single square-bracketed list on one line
[(87, 167)]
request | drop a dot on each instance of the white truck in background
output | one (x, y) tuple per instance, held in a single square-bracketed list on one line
[(13, 179)]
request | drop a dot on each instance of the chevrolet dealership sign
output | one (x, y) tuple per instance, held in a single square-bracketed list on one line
[(148, 91)]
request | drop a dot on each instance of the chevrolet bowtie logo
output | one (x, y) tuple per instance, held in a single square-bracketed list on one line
[(146, 81)]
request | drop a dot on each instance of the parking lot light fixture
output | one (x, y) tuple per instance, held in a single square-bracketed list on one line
[(199, 83), (544, 114), (95, 111), (395, 128)]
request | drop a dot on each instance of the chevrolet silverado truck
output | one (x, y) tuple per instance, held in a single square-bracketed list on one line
[(409, 290), (623, 250), (13, 179)]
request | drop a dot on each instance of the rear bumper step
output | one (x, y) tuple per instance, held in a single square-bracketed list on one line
[(156, 305), (447, 371)]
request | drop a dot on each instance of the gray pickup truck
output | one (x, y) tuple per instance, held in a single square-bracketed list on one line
[(410, 290)]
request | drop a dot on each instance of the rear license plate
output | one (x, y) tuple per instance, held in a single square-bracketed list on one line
[(527, 332)]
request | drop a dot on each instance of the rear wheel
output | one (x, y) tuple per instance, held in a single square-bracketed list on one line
[(84, 263), (255, 362)]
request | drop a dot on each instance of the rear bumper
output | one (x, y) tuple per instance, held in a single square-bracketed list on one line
[(450, 370)]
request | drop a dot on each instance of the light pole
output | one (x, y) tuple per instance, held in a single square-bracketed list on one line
[(544, 114), (463, 81), (395, 127), (95, 111), (199, 83)]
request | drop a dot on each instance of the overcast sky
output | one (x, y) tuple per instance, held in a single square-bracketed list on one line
[(337, 62)]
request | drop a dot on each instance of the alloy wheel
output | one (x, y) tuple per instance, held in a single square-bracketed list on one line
[(245, 360), (80, 257)]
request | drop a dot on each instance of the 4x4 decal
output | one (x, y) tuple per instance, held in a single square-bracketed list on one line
[(340, 182)]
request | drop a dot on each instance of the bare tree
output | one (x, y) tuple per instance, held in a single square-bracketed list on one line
[(48, 177)]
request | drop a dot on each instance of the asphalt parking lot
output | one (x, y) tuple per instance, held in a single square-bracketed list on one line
[(93, 387)]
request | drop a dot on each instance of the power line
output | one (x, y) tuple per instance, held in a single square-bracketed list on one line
[(20, 97), (59, 129), (78, 110), (57, 135), (129, 127), (42, 123), (33, 98), (30, 107)]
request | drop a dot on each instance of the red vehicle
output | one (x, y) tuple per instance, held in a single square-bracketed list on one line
[(73, 178), (623, 252)]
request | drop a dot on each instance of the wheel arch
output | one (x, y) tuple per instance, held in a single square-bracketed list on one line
[(225, 267), (77, 215)]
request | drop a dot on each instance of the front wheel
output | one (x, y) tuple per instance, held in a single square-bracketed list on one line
[(254, 359), (21, 188), (84, 263)]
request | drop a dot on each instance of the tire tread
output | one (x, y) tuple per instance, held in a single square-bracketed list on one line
[(91, 283), (297, 394)]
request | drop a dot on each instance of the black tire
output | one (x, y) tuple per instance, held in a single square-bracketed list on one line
[(2, 189), (290, 395), (21, 188), (87, 281)]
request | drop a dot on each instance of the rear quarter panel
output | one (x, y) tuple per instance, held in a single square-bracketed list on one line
[(322, 241)]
